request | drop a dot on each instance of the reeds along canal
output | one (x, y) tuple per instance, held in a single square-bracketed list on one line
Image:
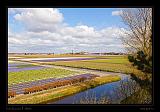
[(115, 92)]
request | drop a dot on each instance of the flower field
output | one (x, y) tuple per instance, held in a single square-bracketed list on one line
[(29, 87), (39, 75), (72, 59), (33, 75), (20, 66), (56, 93), (59, 83), (57, 59), (16, 69)]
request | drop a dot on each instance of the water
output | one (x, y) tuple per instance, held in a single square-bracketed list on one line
[(107, 89)]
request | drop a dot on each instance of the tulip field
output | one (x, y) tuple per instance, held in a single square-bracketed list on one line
[(38, 74), (34, 75)]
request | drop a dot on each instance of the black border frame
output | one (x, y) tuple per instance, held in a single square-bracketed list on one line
[(74, 107)]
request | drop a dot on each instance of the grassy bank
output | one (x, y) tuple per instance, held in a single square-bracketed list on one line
[(32, 75), (54, 94), (103, 65), (140, 97)]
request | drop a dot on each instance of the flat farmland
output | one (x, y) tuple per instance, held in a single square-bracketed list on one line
[(103, 63), (56, 59), (33, 75), (16, 67), (36, 71), (109, 63), (53, 94), (50, 56), (114, 61), (65, 55)]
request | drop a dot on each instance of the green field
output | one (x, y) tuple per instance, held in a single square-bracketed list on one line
[(110, 64), (97, 66), (10, 61), (114, 61), (32, 75)]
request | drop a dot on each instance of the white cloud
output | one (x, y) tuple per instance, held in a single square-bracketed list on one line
[(38, 19), (105, 38), (46, 31), (47, 15), (14, 41), (116, 13)]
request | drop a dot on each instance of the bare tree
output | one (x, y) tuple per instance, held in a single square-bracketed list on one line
[(138, 35)]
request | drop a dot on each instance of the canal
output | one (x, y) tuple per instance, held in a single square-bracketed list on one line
[(110, 91)]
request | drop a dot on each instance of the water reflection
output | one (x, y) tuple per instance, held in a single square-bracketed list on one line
[(111, 91)]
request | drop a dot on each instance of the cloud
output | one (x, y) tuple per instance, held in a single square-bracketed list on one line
[(116, 13), (45, 39), (46, 32), (38, 19)]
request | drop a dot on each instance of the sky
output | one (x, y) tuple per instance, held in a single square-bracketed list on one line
[(61, 30)]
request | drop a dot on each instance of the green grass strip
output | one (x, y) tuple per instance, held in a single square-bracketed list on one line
[(33, 75)]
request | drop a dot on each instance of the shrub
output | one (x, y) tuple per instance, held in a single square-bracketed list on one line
[(55, 84), (82, 79), (45, 87), (26, 91), (142, 62), (11, 94), (131, 58), (94, 76)]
